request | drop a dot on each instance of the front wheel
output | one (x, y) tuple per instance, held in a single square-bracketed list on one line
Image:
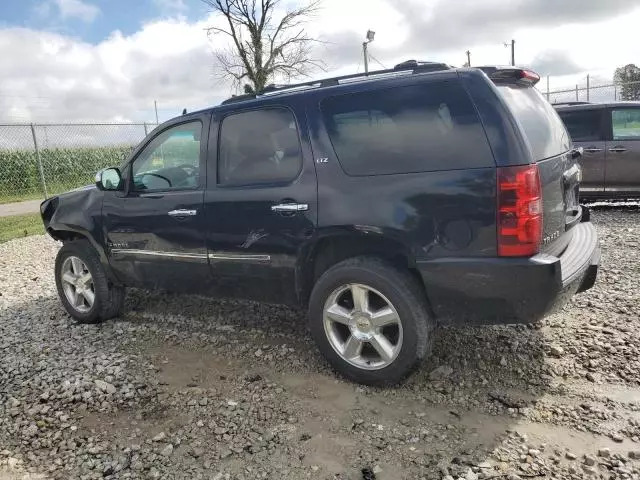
[(83, 286), (370, 320)]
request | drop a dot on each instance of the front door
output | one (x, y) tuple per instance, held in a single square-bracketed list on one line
[(586, 127), (154, 230), (261, 203), (623, 152)]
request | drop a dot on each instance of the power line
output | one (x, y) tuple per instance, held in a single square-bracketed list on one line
[(377, 61)]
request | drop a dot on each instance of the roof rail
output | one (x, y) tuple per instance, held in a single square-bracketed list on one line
[(409, 66), (570, 103)]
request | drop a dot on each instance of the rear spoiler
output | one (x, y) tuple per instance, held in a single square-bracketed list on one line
[(516, 75)]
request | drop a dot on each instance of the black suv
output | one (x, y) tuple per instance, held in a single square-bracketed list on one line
[(388, 204), (610, 136)]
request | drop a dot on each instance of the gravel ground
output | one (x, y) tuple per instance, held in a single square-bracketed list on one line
[(185, 387)]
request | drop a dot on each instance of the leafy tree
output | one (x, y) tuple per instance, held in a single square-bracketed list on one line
[(266, 40), (628, 78)]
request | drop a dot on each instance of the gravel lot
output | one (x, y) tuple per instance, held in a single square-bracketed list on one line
[(185, 387)]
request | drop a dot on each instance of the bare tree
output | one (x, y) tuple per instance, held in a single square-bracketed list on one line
[(262, 46)]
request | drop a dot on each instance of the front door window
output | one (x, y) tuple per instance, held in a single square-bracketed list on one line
[(171, 161)]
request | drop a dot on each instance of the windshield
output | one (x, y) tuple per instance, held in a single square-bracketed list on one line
[(542, 126)]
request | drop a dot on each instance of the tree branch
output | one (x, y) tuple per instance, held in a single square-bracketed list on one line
[(263, 48)]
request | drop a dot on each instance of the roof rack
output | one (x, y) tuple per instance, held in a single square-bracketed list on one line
[(407, 67), (570, 103)]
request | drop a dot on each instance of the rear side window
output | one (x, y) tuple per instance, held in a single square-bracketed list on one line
[(418, 128), (583, 125), (259, 147), (626, 124), (541, 124)]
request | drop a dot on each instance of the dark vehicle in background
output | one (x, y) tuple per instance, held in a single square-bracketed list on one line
[(610, 136), (387, 204)]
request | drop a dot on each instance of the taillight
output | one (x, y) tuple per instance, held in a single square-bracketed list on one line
[(530, 76), (519, 211)]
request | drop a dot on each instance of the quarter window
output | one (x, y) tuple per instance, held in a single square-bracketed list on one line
[(418, 128), (171, 161), (259, 147), (626, 123)]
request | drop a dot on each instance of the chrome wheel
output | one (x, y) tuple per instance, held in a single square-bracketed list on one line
[(77, 284), (362, 326)]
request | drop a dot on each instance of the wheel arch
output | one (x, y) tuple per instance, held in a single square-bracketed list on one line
[(332, 249), (68, 233)]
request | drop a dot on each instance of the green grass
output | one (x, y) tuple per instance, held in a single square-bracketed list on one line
[(20, 197), (18, 226)]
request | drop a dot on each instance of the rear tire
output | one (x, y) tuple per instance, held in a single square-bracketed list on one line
[(370, 320), (83, 286)]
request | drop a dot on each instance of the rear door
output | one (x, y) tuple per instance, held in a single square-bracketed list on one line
[(260, 203), (587, 130), (550, 146), (623, 152)]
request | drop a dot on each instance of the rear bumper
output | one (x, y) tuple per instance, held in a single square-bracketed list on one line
[(511, 290)]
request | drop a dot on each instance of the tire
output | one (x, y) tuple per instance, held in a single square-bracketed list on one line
[(108, 299), (385, 283)]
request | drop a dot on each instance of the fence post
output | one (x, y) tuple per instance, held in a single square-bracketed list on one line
[(615, 92), (547, 88), (145, 129), (576, 92), (35, 145), (587, 87)]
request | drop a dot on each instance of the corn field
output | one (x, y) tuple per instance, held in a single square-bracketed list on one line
[(65, 168), (43, 160)]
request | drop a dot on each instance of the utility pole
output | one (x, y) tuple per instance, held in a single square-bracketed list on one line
[(468, 58), (370, 36), (366, 57), (155, 104), (513, 51)]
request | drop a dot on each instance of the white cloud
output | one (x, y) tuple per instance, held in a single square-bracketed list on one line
[(84, 11), (171, 7), (54, 77)]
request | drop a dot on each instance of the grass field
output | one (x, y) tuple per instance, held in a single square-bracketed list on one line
[(19, 197), (18, 226)]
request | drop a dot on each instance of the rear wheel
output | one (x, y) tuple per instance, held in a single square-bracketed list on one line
[(83, 286), (370, 320)]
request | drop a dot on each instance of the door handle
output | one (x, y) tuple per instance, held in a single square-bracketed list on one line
[(182, 213), (290, 207), (592, 150), (618, 149)]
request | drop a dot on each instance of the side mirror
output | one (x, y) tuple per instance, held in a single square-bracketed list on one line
[(109, 179), (577, 152)]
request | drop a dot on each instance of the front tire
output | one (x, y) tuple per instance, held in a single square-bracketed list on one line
[(83, 286), (370, 320)]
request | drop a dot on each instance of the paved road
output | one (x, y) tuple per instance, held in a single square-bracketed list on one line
[(20, 208)]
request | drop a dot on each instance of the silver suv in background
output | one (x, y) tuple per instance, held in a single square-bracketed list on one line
[(610, 136)]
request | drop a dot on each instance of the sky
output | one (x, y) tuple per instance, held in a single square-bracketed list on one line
[(110, 60)]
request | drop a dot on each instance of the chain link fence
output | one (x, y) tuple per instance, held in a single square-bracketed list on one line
[(595, 93), (40, 160)]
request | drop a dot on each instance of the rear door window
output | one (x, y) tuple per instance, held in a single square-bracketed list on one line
[(259, 147), (542, 126), (583, 125), (626, 123), (418, 128)]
